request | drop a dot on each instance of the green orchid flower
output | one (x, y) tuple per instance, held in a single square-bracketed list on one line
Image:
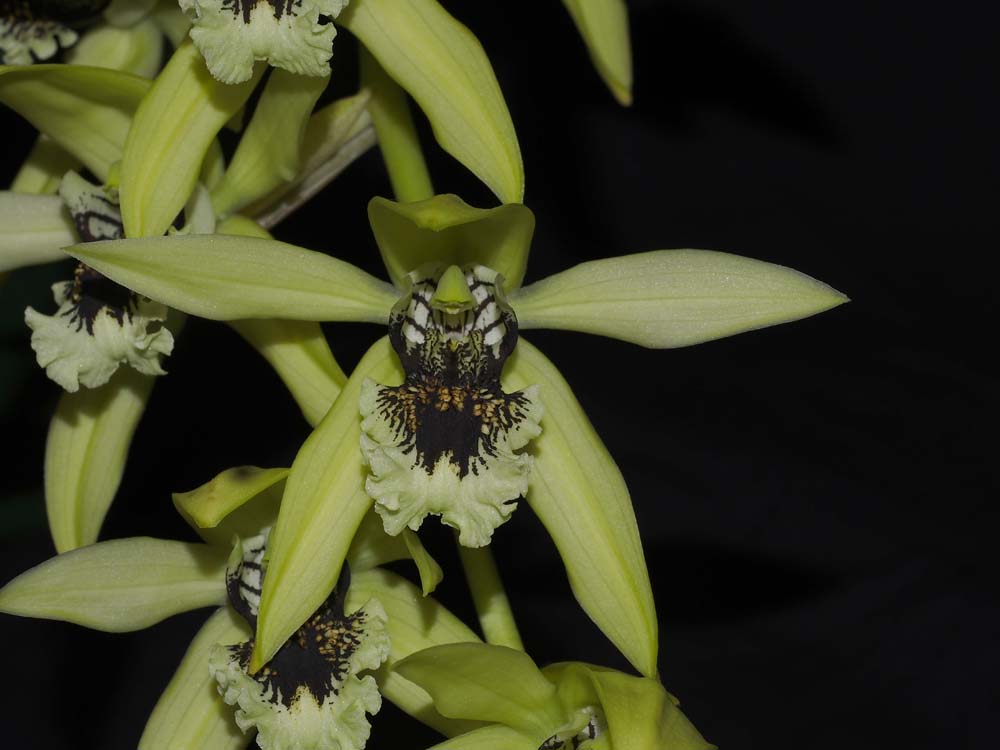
[(312, 694), (564, 706), (660, 299)]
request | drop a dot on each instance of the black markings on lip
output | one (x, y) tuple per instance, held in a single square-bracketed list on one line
[(92, 292)]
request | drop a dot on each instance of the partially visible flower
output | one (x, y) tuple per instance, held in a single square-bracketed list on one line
[(27, 35)]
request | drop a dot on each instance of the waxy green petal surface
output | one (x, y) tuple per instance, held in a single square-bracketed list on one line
[(483, 682), (603, 24), (492, 737), (88, 443), (578, 493), (137, 50), (224, 277), (33, 229), (415, 622), (269, 152), (446, 230), (323, 505), (121, 585), (670, 298), (44, 168), (173, 129), (85, 110), (444, 68), (190, 713)]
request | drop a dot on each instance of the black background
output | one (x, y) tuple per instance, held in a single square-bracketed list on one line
[(815, 500)]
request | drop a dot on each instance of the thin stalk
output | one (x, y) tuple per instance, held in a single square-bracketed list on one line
[(490, 598), (397, 137)]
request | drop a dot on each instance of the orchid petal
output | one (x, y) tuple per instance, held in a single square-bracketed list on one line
[(85, 454), (127, 13), (173, 129), (603, 24), (121, 585), (85, 110), (269, 152), (492, 737), (415, 622), (44, 168), (446, 230), (323, 505), (223, 277), (579, 495), (484, 682), (137, 50), (172, 21), (190, 713), (33, 229), (670, 298), (444, 68)]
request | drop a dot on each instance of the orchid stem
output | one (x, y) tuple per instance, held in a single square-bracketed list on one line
[(492, 606), (397, 136)]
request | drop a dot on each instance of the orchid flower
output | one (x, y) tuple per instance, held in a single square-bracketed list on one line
[(453, 322), (311, 695)]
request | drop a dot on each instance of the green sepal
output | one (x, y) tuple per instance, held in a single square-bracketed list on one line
[(323, 505), (603, 24), (173, 129), (415, 622), (670, 298), (226, 277), (44, 168), (121, 585), (85, 454), (190, 713), (86, 110), (137, 50), (446, 230), (269, 152), (492, 737), (483, 682), (443, 67), (578, 493), (33, 229)]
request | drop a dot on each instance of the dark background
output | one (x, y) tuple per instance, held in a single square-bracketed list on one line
[(815, 500)]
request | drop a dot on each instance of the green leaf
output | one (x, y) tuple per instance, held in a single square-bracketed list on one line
[(85, 110), (33, 229), (483, 682), (578, 493), (88, 443), (239, 501), (444, 68), (670, 298), (492, 737), (603, 24), (223, 277), (137, 49), (173, 129), (190, 713), (44, 168), (445, 229), (268, 154), (121, 585), (323, 505), (415, 622)]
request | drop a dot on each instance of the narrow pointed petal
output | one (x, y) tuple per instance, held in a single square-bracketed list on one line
[(415, 622), (428, 569), (238, 502), (335, 136), (445, 229), (190, 713), (492, 737), (269, 152), (224, 277), (579, 495), (44, 168), (670, 298), (85, 110), (603, 24), (121, 585), (88, 443), (487, 683), (33, 229), (137, 50), (173, 129), (323, 505), (444, 68), (371, 546)]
